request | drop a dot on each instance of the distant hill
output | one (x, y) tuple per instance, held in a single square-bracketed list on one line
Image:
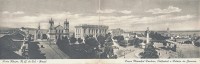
[(6, 28)]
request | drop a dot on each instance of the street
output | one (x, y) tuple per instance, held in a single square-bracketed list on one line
[(126, 52), (52, 51)]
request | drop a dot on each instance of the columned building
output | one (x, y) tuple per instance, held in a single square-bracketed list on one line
[(83, 30), (58, 31)]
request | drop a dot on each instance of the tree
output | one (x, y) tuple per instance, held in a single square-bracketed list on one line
[(108, 40), (150, 52), (91, 41), (80, 40), (101, 40), (65, 40), (119, 38), (156, 35), (137, 42), (73, 40), (196, 41), (115, 37), (91, 46)]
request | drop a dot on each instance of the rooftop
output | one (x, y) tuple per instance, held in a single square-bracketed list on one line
[(91, 26)]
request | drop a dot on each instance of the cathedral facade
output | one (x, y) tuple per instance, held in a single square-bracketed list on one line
[(59, 31)]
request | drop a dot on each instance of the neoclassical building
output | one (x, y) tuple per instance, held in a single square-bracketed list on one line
[(59, 31), (82, 30)]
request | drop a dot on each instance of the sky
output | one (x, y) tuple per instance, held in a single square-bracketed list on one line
[(130, 15)]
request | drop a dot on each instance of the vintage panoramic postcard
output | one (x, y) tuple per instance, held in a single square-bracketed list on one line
[(99, 31)]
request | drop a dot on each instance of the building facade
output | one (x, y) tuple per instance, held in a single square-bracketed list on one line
[(56, 32), (83, 30)]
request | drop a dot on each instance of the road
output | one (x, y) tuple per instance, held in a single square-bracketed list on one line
[(126, 52), (52, 51)]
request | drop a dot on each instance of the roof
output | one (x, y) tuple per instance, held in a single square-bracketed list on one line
[(59, 27), (92, 26)]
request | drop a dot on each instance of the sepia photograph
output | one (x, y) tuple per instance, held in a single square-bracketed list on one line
[(99, 29)]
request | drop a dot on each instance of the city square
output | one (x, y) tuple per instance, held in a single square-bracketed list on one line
[(99, 29)]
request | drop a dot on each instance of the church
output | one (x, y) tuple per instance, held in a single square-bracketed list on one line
[(59, 31)]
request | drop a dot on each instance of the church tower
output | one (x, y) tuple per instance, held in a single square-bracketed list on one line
[(66, 28)]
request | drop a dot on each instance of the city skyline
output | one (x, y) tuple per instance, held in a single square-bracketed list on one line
[(130, 15)]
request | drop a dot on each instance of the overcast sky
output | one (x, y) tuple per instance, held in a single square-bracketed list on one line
[(126, 14)]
